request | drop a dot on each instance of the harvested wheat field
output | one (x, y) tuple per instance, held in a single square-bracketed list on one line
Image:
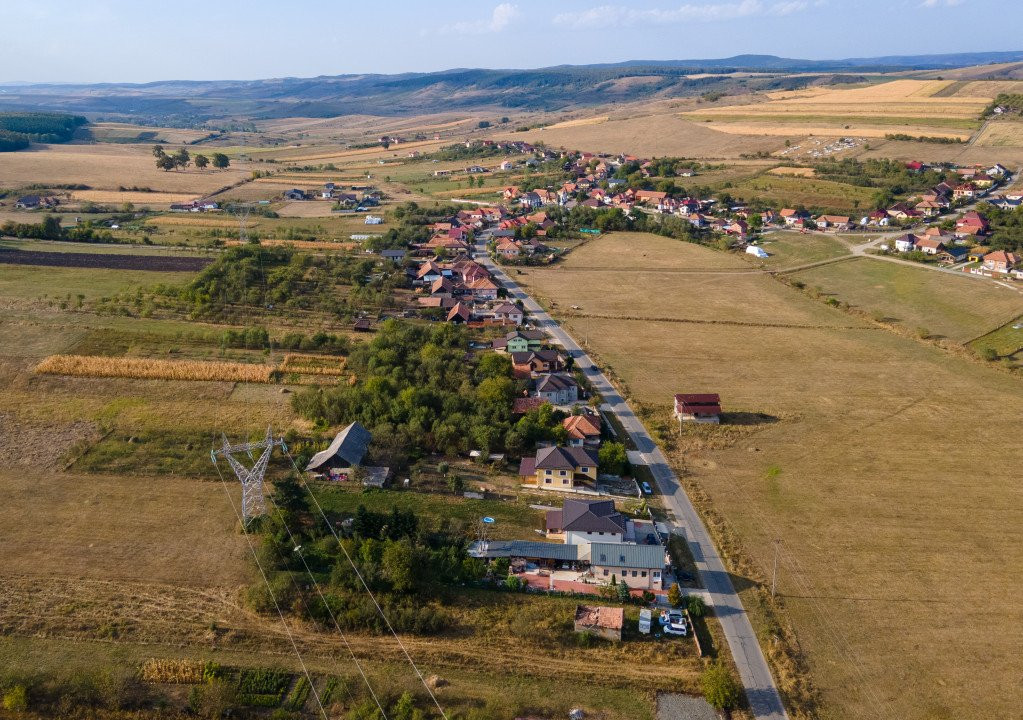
[(1001, 133), (154, 369), (650, 135), (793, 171), (137, 198), (108, 167), (889, 516)]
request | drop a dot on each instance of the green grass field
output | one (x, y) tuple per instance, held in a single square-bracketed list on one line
[(783, 191), (792, 249), (960, 308)]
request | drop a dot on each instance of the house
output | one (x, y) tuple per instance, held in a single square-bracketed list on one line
[(460, 313), (557, 389), (362, 325), (928, 208), (650, 197), (1000, 261), (583, 429), (698, 407), (294, 194), (877, 217), (395, 256), (971, 223), (538, 361), (929, 245), (28, 202), (605, 622), (520, 341), (557, 468), (508, 249), (905, 243), (791, 217), (508, 312), (641, 567), (520, 406), (346, 450), (833, 222), (483, 289), (964, 191), (581, 522), (950, 255)]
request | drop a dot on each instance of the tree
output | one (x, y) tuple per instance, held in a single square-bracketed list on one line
[(182, 158), (214, 700), (696, 606), (221, 161), (623, 591), (157, 151), (399, 565), (675, 595), (165, 162), (613, 458), (201, 161), (719, 687)]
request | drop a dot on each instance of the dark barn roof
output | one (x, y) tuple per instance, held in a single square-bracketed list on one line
[(349, 445)]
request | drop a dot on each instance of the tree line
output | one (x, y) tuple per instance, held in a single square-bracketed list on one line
[(182, 158)]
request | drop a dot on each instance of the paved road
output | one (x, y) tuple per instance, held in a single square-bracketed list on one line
[(753, 669)]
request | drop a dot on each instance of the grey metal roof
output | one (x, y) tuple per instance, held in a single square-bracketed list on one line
[(592, 516), (349, 445), (525, 549), (625, 555), (557, 458)]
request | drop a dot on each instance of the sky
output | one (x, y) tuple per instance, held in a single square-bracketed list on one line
[(144, 41)]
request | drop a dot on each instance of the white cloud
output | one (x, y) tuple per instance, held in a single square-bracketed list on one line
[(617, 15), (502, 16)]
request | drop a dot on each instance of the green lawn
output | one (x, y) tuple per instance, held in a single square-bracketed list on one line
[(811, 192), (1007, 341), (30, 282)]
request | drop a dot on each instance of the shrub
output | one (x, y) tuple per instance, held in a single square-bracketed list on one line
[(696, 607), (16, 699), (674, 595), (719, 687), (990, 354)]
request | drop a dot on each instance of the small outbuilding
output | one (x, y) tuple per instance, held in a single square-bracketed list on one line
[(347, 449), (605, 622)]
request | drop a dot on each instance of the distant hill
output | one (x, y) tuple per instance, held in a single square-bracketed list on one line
[(182, 102)]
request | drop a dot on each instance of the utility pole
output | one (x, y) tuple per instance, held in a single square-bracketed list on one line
[(774, 575)]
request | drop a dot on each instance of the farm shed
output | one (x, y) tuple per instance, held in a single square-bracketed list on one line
[(347, 449)]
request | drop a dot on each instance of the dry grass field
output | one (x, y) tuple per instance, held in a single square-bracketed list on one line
[(891, 517), (126, 133), (790, 191), (651, 136), (108, 167), (116, 197), (960, 308), (1001, 133), (911, 106)]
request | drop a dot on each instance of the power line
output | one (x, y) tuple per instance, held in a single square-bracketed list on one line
[(266, 581), (369, 592), (298, 549)]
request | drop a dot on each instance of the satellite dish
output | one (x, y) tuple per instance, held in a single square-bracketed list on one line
[(489, 520)]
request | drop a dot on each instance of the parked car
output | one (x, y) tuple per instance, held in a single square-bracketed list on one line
[(646, 488), (677, 628)]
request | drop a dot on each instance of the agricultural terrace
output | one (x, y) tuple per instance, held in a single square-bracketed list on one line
[(843, 461)]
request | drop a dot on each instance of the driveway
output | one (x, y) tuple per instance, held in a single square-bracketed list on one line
[(749, 659)]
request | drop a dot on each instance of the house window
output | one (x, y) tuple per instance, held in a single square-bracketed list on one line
[(563, 473), (605, 572), (547, 480), (656, 574), (634, 573), (584, 469), (601, 532), (642, 573)]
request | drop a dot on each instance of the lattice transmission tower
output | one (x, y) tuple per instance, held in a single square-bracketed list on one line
[(253, 501)]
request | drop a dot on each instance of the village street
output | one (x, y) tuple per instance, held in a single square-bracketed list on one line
[(753, 669)]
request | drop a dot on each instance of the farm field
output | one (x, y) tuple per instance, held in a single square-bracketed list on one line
[(108, 167), (651, 136), (915, 106), (791, 249), (960, 308), (872, 525), (787, 191), (1006, 341)]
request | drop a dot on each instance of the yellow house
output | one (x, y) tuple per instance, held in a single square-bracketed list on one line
[(558, 468)]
